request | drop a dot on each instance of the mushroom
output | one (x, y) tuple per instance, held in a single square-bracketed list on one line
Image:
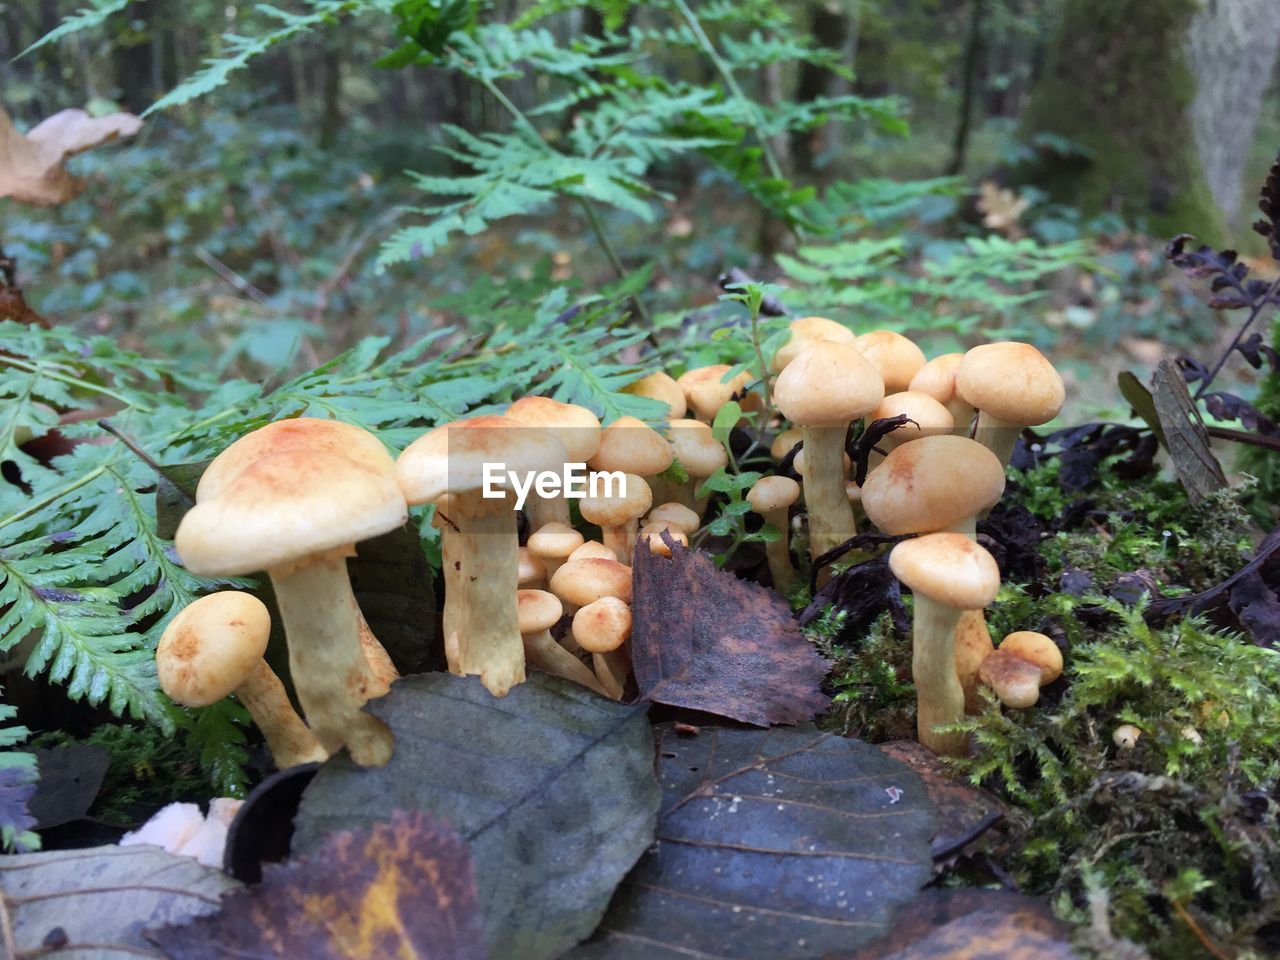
[(553, 544), (676, 514), (706, 390), (926, 418), (821, 391), (784, 442), (213, 648), (659, 386), (629, 445), (803, 332), (618, 514), (973, 646), (601, 628), (592, 550), (530, 570), (700, 453), (896, 357), (577, 428), (948, 573), (298, 515), (1023, 663), (1126, 736), (1012, 386), (451, 460), (539, 611), (937, 378), (651, 534), (772, 497), (581, 582), (933, 484)]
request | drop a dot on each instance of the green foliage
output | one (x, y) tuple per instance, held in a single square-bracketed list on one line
[(19, 772), (96, 14), (875, 697), (731, 519)]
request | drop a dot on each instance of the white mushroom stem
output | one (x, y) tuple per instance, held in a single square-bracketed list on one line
[(544, 510), (830, 515), (454, 586), (778, 552), (488, 623), (621, 539), (543, 651), (998, 436), (939, 696), (330, 673), (611, 670), (288, 738)]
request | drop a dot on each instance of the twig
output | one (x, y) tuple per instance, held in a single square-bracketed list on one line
[(1198, 931), (230, 276), (1243, 436), (1226, 355)]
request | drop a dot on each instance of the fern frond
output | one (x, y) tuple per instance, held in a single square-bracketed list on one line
[(18, 777), (92, 16)]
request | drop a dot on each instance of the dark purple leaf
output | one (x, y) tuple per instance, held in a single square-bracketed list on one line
[(1227, 406), (17, 785)]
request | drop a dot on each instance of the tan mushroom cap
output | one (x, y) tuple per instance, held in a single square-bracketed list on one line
[(530, 568), (451, 458), (212, 646), (629, 445), (931, 484), (285, 507), (706, 391), (577, 428), (828, 384), (592, 550), (1038, 649), (784, 441), (896, 357), (696, 447), (773, 493), (1015, 681), (538, 610), (652, 533), (582, 581), (804, 331), (1012, 382), (948, 568), (930, 418), (937, 378), (301, 433), (602, 625), (554, 541), (631, 502), (676, 514), (663, 388)]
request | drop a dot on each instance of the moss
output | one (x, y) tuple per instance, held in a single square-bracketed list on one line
[(1117, 84)]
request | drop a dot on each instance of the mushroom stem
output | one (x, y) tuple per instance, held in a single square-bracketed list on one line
[(621, 539), (973, 645), (332, 677), (544, 510), (454, 586), (384, 672), (288, 738), (998, 436), (489, 624), (778, 552), (543, 651), (939, 696), (830, 515), (611, 670)]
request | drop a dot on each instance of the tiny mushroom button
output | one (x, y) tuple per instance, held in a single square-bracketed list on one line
[(539, 611), (772, 497)]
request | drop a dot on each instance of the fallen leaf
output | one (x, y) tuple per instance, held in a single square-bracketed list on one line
[(99, 900), (17, 785), (778, 844), (70, 778), (970, 925), (552, 788), (1197, 468), (402, 889), (704, 640), (964, 812), (31, 166)]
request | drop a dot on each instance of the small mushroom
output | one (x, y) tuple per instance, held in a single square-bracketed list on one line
[(700, 453), (784, 442), (651, 534), (553, 544), (803, 332), (1126, 736), (618, 514), (772, 497), (629, 445), (602, 627), (540, 611), (937, 378), (584, 581), (973, 646), (947, 573), (530, 570), (1023, 663), (676, 514), (661, 387), (706, 390), (213, 648), (1012, 386), (896, 357), (577, 429), (592, 550)]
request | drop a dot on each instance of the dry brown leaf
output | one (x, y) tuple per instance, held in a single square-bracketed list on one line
[(1001, 208), (32, 166)]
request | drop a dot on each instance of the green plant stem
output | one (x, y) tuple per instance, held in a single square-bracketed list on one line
[(744, 103)]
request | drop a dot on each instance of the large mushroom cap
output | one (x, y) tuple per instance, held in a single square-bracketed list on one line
[(661, 387), (631, 502), (931, 484), (212, 646), (285, 507), (1012, 382), (301, 433), (896, 357), (803, 332), (629, 445), (452, 458), (773, 493), (706, 390), (538, 610), (696, 447), (574, 426), (947, 567), (937, 378), (602, 625), (581, 581), (927, 416), (828, 384)]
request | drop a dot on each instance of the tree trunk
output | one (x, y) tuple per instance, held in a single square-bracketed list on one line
[(1117, 84), (968, 88), (829, 26), (1232, 48)]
